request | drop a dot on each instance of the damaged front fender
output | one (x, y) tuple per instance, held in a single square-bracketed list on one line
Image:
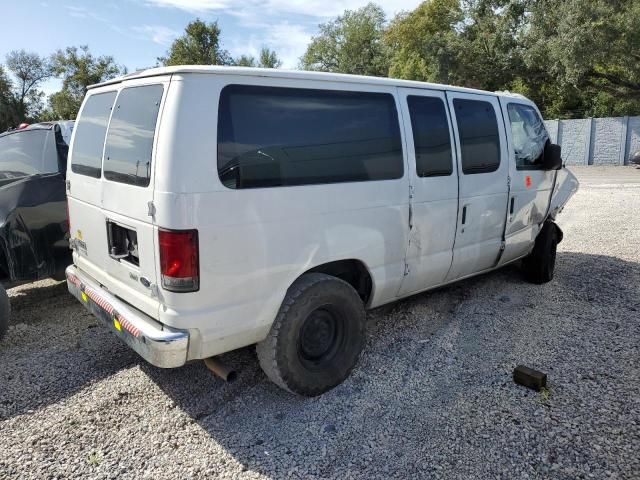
[(565, 186)]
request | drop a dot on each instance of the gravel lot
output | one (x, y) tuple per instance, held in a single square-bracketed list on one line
[(432, 396)]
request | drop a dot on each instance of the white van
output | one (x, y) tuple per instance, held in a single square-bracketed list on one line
[(216, 207)]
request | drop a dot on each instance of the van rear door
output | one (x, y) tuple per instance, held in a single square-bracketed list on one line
[(111, 187)]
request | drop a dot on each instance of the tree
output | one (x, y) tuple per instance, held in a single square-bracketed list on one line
[(200, 45), (8, 117), (267, 59), (584, 57), (78, 69), (30, 70), (352, 43), (425, 42)]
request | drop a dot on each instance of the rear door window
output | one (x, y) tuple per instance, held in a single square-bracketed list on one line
[(479, 137), (273, 136), (129, 145), (90, 131), (431, 137)]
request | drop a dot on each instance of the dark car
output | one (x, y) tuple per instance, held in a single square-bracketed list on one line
[(33, 215)]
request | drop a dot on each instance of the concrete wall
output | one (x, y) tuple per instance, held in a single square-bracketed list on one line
[(596, 141)]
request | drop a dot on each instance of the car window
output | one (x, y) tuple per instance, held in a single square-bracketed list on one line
[(479, 137), (529, 136), (91, 127), (431, 138), (272, 136), (129, 145), (28, 152)]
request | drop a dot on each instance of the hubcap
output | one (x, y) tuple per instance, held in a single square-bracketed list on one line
[(319, 336)]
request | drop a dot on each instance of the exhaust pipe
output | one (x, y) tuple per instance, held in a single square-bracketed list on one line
[(220, 369)]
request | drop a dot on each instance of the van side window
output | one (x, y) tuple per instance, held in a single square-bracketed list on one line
[(127, 153), (479, 137), (431, 138), (273, 136), (529, 136), (90, 131)]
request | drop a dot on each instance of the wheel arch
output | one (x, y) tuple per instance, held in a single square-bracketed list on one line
[(353, 271)]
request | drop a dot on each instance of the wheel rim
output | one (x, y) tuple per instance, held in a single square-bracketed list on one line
[(321, 336)]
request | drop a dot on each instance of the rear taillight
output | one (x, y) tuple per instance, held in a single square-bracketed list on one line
[(179, 260)]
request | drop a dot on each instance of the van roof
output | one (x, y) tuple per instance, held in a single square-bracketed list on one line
[(296, 74)]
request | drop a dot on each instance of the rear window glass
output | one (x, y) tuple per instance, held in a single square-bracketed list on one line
[(431, 137), (86, 158), (127, 154), (270, 136), (28, 152), (479, 138)]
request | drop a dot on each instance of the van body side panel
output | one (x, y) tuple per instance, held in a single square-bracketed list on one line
[(255, 242)]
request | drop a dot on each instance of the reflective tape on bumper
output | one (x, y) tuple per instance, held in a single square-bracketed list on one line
[(158, 344)]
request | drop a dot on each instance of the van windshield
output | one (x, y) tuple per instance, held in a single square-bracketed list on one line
[(28, 152)]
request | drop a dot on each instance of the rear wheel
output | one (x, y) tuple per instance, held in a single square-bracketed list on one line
[(317, 336), (5, 312), (539, 265)]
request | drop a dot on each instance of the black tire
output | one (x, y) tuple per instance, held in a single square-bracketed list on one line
[(317, 337), (539, 265), (5, 312)]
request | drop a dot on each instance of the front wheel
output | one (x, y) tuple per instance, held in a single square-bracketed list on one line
[(317, 337), (539, 265), (5, 312)]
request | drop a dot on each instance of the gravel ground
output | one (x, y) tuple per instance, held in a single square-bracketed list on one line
[(432, 396)]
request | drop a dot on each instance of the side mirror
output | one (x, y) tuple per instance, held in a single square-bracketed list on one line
[(552, 157)]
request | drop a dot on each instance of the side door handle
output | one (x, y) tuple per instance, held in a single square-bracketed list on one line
[(464, 214), (511, 206)]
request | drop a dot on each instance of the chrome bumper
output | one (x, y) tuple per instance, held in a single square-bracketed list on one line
[(158, 344)]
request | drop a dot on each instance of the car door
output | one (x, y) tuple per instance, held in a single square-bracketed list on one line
[(111, 187), (483, 172), (530, 186), (433, 186)]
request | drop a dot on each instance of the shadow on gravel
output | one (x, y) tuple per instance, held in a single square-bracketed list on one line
[(53, 349), (421, 367)]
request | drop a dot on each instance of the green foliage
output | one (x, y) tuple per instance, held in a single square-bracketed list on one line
[(425, 43), (587, 53), (267, 59), (352, 43), (575, 58), (200, 45), (8, 116), (78, 69), (29, 70)]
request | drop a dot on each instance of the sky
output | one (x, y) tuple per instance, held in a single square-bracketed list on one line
[(136, 32)]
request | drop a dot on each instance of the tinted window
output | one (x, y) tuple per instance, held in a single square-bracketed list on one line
[(529, 136), (479, 139), (430, 136), (127, 154), (28, 152), (90, 131), (270, 137)]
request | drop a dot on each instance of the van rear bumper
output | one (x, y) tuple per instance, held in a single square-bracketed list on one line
[(158, 344)]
